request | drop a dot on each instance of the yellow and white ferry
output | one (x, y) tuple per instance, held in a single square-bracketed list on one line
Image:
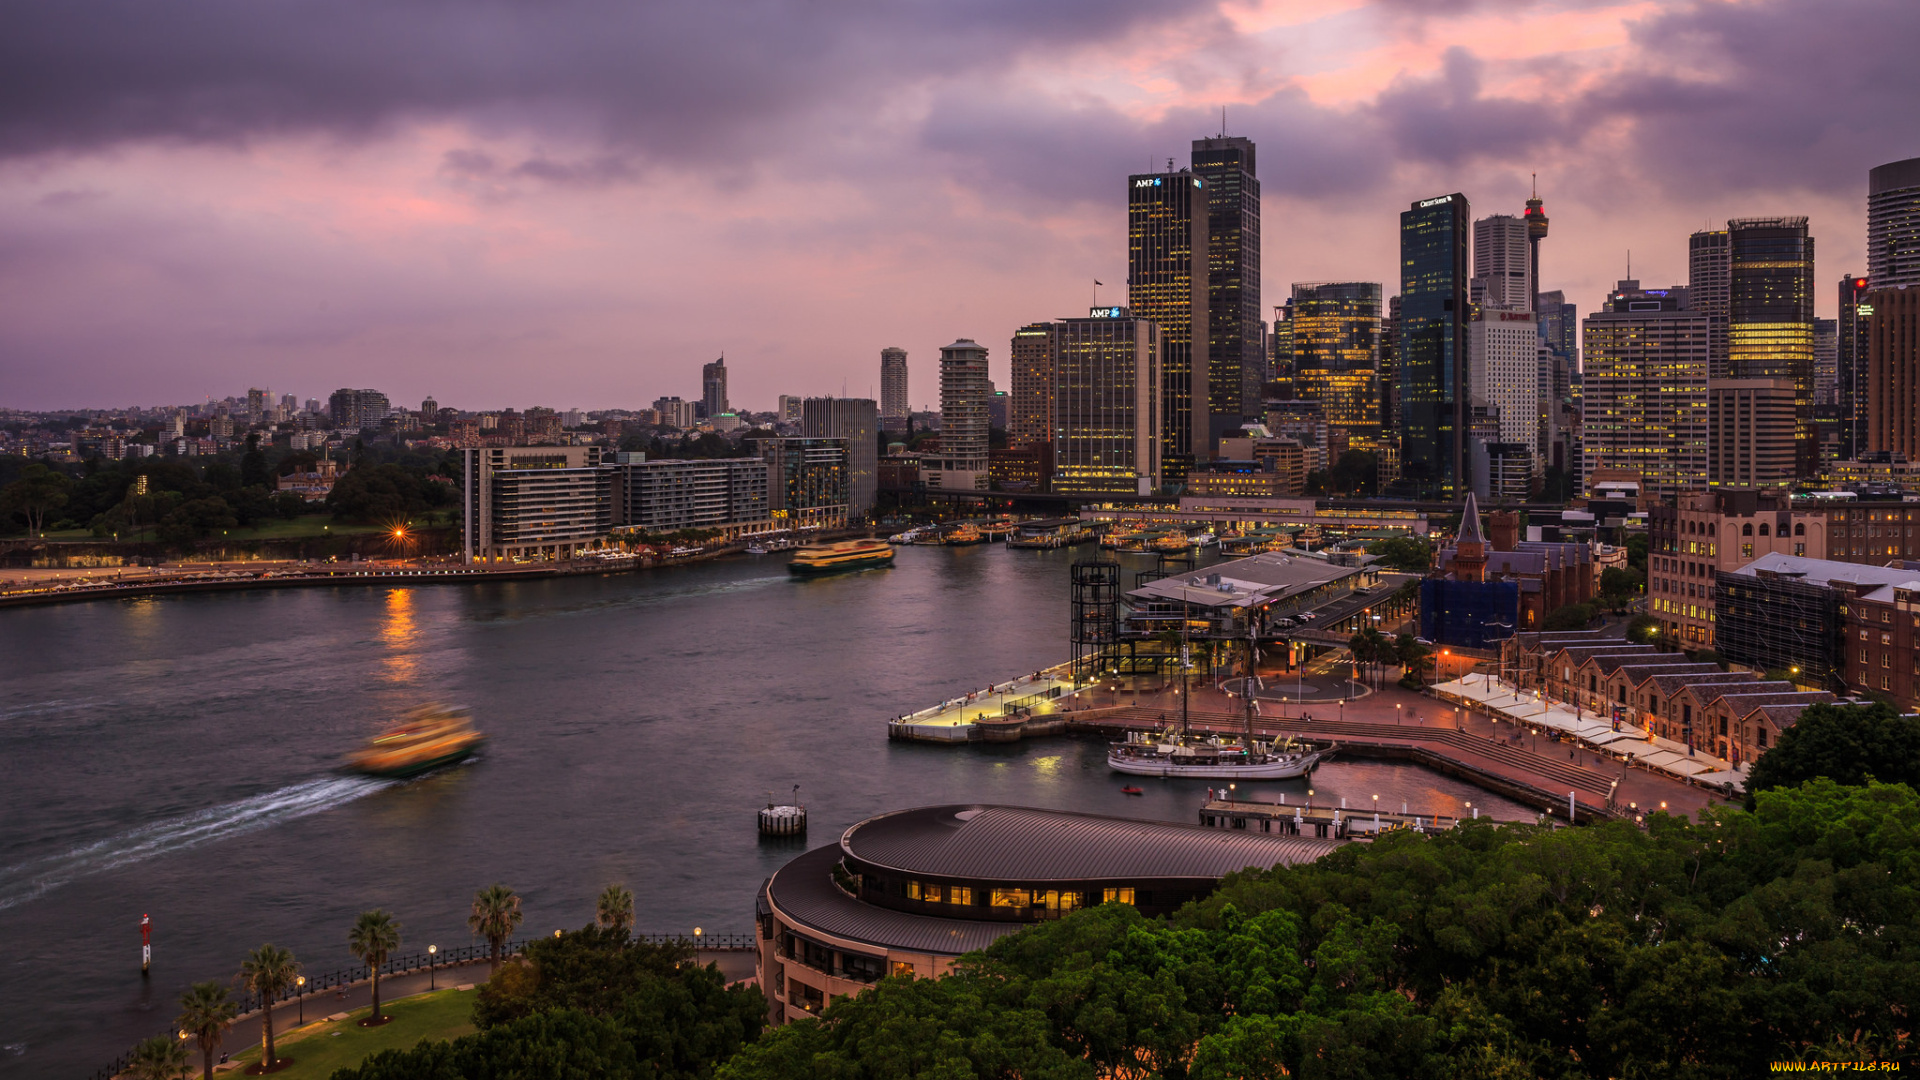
[(843, 555)]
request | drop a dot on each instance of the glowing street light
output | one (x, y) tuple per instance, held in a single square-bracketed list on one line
[(432, 950)]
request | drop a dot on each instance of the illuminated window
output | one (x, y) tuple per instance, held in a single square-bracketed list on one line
[(931, 893), (1110, 896), (901, 967), (1012, 898), (913, 890)]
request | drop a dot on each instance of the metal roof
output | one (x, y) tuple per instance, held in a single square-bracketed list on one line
[(804, 890), (1256, 579), (1022, 844)]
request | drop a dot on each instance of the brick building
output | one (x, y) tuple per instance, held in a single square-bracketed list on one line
[(1691, 538)]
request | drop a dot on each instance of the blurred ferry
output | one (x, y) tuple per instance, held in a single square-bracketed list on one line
[(429, 737), (844, 555)]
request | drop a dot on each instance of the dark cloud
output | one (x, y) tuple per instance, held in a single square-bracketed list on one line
[(686, 81), (1775, 96)]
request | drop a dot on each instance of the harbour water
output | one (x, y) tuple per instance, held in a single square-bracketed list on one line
[(176, 757)]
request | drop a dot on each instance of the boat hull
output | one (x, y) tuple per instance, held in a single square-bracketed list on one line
[(1284, 769), (400, 770), (811, 570)]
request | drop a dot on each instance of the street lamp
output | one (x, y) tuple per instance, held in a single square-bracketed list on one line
[(1396, 713), (300, 985), (432, 984)]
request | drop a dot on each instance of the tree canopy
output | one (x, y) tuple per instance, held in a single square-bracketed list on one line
[(1694, 950), (1847, 743), (1409, 553)]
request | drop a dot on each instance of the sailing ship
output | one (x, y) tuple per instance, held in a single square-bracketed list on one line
[(1214, 757)]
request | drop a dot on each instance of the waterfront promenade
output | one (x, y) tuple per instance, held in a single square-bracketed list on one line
[(1394, 723)]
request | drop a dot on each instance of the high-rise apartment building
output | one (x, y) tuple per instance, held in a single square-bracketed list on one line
[(667, 495), (1893, 224), (895, 411), (857, 420), (1167, 284), (1893, 371), (1030, 406), (1644, 394), (358, 410), (713, 387), (1770, 317), (1106, 402), (1335, 334), (1502, 256), (790, 408), (674, 413), (1850, 363), (1434, 387), (1280, 345), (1234, 358), (1709, 286), (807, 481), (533, 502), (964, 390), (1750, 433)]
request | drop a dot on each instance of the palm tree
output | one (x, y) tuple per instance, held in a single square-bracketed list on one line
[(268, 971), (615, 910), (206, 1012), (496, 914), (374, 936), (159, 1058)]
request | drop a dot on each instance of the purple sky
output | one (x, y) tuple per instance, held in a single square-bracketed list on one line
[(576, 204)]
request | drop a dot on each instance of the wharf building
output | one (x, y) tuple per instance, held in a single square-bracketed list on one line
[(1168, 284), (1644, 393), (1694, 538), (1770, 317), (526, 503), (857, 421), (895, 411), (809, 482), (907, 893), (1225, 165), (1335, 348), (1106, 401), (1490, 585), (729, 495), (1732, 715), (1434, 381)]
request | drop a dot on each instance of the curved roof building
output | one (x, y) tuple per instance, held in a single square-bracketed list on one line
[(907, 892)]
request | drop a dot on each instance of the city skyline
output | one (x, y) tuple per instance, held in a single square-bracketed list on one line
[(505, 212)]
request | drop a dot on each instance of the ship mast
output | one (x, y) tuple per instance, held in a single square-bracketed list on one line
[(1186, 687), (1251, 653)]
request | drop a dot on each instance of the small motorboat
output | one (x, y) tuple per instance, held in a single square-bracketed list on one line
[(1130, 790)]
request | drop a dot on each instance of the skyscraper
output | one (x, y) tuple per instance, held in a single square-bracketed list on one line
[(1030, 410), (1893, 224), (713, 386), (1433, 344), (1504, 348), (1770, 317), (1234, 360), (1893, 371), (1107, 395), (1850, 363), (857, 421), (1280, 344), (1335, 333), (1750, 433), (1709, 284), (964, 389), (894, 409), (1390, 371), (1645, 389), (1501, 257), (1167, 284)]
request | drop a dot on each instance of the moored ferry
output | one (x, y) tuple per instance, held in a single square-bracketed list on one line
[(842, 555), (429, 737)]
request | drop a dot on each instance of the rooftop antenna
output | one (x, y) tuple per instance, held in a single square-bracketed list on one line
[(1536, 185), (1169, 164), (1223, 121)]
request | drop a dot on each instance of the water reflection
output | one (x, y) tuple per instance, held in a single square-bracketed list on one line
[(399, 634)]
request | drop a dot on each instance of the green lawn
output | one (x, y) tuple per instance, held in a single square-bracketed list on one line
[(318, 1049)]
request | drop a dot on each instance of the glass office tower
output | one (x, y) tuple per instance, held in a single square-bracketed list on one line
[(1434, 242), (1167, 284), (1336, 351), (1234, 362), (1770, 317)]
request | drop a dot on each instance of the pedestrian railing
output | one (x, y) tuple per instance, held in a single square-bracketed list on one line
[(421, 960)]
